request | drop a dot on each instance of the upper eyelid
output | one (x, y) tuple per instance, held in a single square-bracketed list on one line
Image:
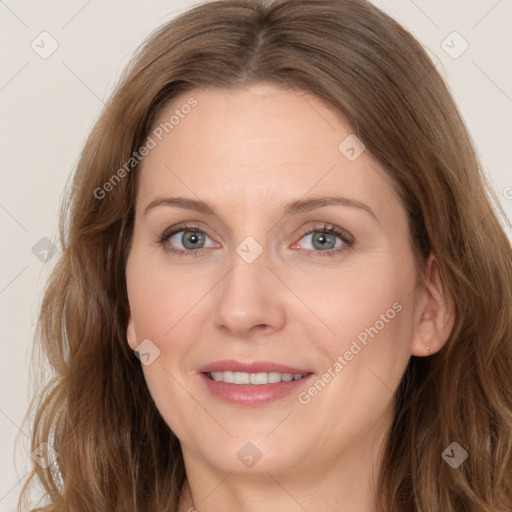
[(342, 233)]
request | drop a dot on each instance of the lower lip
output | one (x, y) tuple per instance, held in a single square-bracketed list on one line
[(252, 395)]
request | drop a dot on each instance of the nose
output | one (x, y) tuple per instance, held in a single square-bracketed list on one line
[(250, 299)]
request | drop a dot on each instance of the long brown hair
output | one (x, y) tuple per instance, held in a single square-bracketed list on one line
[(115, 452)]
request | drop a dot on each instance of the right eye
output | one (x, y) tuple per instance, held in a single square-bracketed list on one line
[(191, 239)]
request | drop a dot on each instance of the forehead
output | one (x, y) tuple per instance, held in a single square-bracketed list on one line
[(261, 144)]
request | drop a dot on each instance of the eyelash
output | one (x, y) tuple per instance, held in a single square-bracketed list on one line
[(345, 237)]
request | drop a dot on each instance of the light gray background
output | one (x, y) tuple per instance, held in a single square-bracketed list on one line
[(48, 106)]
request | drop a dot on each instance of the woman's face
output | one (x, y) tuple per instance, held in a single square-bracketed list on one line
[(248, 184)]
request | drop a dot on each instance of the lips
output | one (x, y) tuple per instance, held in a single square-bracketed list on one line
[(250, 367), (243, 383)]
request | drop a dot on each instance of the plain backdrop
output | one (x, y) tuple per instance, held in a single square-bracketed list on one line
[(48, 106)]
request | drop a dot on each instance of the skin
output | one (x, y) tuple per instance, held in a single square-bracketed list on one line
[(248, 152)]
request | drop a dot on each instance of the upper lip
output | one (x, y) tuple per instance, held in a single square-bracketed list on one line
[(249, 367)]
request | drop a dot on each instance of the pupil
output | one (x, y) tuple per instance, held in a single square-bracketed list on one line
[(323, 239), (192, 238)]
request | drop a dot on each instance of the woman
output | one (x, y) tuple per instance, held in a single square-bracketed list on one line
[(283, 283)]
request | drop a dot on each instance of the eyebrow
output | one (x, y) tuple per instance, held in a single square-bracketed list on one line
[(293, 208)]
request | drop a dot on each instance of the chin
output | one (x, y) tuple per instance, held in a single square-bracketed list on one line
[(258, 456)]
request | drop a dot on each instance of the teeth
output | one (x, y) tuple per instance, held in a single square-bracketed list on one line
[(240, 377), (256, 379), (227, 377), (274, 377)]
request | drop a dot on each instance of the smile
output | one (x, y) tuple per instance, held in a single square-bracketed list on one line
[(255, 379)]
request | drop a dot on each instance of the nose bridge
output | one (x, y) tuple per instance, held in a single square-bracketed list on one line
[(249, 295)]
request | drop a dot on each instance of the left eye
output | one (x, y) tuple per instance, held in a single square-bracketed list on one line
[(190, 239), (323, 240)]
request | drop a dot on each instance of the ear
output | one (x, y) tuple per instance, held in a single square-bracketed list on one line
[(130, 331), (435, 314)]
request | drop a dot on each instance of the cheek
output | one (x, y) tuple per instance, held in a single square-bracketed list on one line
[(159, 297), (161, 305), (357, 298), (368, 313), (364, 360)]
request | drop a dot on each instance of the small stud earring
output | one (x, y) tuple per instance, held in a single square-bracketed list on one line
[(427, 348)]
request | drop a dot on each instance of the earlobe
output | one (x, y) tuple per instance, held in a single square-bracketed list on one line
[(130, 332), (436, 312)]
